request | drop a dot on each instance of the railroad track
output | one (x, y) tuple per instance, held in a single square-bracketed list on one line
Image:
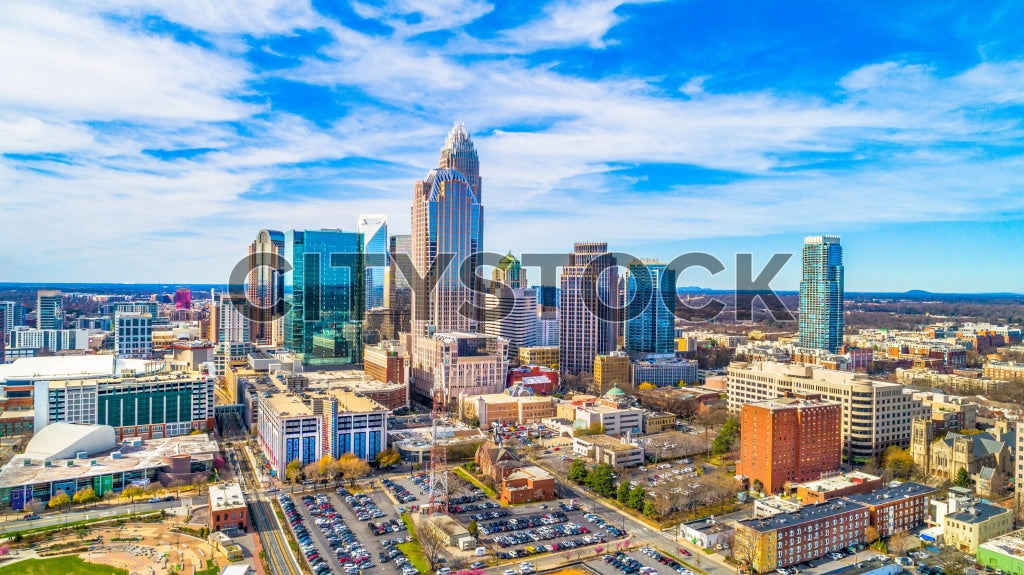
[(279, 556)]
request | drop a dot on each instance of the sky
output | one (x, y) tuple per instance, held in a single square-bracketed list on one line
[(150, 141)]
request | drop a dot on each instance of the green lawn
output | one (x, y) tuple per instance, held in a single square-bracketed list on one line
[(465, 475), (415, 554), (59, 566)]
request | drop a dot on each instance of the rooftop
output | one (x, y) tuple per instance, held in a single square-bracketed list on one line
[(1010, 544), (226, 496), (74, 366), (781, 403), (807, 514), (607, 442), (979, 512), (892, 493), (839, 481)]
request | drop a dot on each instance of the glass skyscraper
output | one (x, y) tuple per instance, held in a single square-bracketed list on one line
[(374, 228), (821, 294), (447, 221), (586, 328), (650, 324), (324, 290)]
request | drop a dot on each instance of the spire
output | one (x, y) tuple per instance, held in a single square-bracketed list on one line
[(459, 154)]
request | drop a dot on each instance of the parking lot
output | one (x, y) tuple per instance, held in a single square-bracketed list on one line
[(643, 561)]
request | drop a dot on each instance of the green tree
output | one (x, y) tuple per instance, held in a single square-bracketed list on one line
[(962, 479), (131, 492), (59, 500), (472, 527), (726, 437), (578, 471), (593, 429), (85, 496), (649, 509), (898, 461), (600, 480), (637, 497), (352, 467), (623, 493), (388, 458)]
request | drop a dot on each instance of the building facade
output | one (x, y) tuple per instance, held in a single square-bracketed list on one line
[(650, 321), (133, 334), (897, 508), (49, 309), (669, 372), (227, 507), (374, 228), (612, 369), (266, 288), (586, 319), (821, 294), (789, 440), (968, 528), (463, 362)]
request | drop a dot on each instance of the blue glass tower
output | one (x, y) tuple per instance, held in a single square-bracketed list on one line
[(650, 324), (821, 294), (324, 290), (374, 228)]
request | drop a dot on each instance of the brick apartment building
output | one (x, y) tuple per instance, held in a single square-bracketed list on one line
[(789, 439)]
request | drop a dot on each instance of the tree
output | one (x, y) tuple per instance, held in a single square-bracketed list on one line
[(430, 542), (645, 386), (292, 472), (388, 458), (758, 486), (902, 542), (578, 471), (472, 527), (59, 500), (593, 429), (352, 467), (728, 435), (745, 549), (898, 461), (85, 496), (600, 480), (81, 531), (649, 510), (870, 534), (131, 492), (622, 496), (637, 497), (962, 479)]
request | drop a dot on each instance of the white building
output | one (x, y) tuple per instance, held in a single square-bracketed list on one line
[(604, 449), (616, 420), (133, 334), (52, 339), (513, 316), (876, 414)]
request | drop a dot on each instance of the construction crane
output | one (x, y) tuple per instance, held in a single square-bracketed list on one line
[(438, 452)]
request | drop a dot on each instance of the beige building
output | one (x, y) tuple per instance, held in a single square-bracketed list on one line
[(970, 527), (611, 369), (944, 457), (658, 421), (469, 363), (605, 449), (546, 355), (506, 408), (875, 414)]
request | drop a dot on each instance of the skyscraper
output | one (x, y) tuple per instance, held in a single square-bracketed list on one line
[(374, 228), (821, 294), (447, 222), (265, 288), (510, 308), (325, 290), (650, 325), (459, 154), (586, 319), (183, 298), (49, 309)]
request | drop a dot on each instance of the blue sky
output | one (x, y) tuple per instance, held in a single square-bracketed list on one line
[(150, 141)]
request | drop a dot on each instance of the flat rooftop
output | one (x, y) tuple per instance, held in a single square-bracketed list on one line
[(781, 403), (184, 376), (839, 482), (807, 514), (226, 496), (150, 455), (73, 366), (1010, 544), (607, 442), (890, 494), (979, 512)]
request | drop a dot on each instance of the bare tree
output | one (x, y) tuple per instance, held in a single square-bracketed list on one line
[(745, 548), (430, 540), (902, 542)]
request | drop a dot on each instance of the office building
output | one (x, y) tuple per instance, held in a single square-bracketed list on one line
[(133, 334), (665, 372), (325, 291), (14, 314), (233, 325), (150, 406), (785, 539), (447, 222), (547, 326), (538, 355), (821, 294), (789, 440), (967, 528), (612, 369), (611, 414), (227, 507), (617, 453), (265, 289), (53, 340), (182, 298), (509, 407), (650, 324), (510, 308), (49, 309), (374, 228), (876, 414), (526, 485), (587, 318), (385, 362), (465, 362), (398, 291)]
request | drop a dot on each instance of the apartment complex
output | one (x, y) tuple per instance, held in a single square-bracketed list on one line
[(875, 415), (896, 509), (789, 440)]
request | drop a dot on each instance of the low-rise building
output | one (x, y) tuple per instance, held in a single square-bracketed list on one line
[(227, 507), (1005, 553), (222, 543), (495, 461), (385, 362), (451, 532), (774, 505), (526, 485), (516, 405), (658, 421), (605, 449), (539, 355), (672, 445), (897, 508), (708, 532), (967, 528), (786, 539), (664, 372), (539, 379), (839, 485)]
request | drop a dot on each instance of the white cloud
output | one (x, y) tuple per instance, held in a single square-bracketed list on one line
[(412, 17), (567, 23)]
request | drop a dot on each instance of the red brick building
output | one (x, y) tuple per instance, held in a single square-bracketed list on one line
[(539, 379), (496, 462), (528, 484), (793, 439), (895, 509), (227, 507)]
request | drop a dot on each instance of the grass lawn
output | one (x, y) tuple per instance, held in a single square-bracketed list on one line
[(466, 475), (415, 554), (59, 566)]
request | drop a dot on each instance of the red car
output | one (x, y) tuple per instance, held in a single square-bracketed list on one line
[(684, 552)]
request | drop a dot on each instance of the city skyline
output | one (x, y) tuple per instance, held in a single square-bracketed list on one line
[(896, 129)]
